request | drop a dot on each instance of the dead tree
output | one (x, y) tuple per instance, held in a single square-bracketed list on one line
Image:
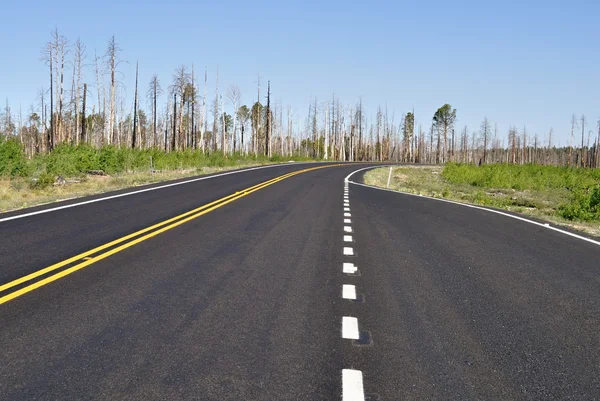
[(135, 108), (268, 120), (154, 91), (83, 124), (112, 52)]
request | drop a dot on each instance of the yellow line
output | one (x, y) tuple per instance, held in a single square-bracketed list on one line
[(85, 254), (193, 214)]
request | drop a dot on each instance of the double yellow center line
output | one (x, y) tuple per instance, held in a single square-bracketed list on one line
[(94, 255)]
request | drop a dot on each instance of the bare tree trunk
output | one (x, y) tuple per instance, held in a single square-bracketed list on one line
[(268, 121), (154, 101), (174, 133), (216, 116), (52, 132), (203, 117), (135, 108), (79, 59), (98, 88), (112, 55), (83, 125), (224, 139), (573, 122), (60, 43), (193, 103), (582, 162)]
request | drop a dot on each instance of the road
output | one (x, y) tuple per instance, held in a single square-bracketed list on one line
[(261, 296)]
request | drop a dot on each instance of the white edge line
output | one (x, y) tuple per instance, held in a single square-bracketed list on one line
[(352, 385), (350, 328), (19, 216), (347, 179), (348, 291)]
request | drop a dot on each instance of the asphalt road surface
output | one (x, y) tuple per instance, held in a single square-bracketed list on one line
[(296, 289)]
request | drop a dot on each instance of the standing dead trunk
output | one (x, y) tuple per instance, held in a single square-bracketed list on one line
[(173, 134), (83, 127), (135, 107)]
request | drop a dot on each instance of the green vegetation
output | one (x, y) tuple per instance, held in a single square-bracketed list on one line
[(559, 194), (13, 162), (583, 185), (74, 161), (29, 181), (521, 177)]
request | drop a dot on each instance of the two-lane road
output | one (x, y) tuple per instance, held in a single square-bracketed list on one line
[(252, 299)]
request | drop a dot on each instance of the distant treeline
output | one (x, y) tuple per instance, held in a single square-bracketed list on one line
[(83, 103)]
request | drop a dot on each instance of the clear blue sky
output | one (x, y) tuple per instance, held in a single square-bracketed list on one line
[(522, 63)]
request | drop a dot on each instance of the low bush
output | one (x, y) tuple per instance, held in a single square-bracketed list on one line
[(520, 177), (582, 184), (13, 162), (43, 181), (584, 206)]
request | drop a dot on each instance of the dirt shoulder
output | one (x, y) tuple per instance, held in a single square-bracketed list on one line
[(18, 193)]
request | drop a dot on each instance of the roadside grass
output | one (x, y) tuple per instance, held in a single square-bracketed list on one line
[(29, 182), (561, 196), (18, 193)]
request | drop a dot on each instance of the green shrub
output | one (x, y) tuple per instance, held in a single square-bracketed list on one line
[(584, 206), (520, 177), (43, 181), (13, 162)]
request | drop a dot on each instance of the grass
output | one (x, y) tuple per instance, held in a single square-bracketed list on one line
[(566, 197), (28, 182), (18, 193)]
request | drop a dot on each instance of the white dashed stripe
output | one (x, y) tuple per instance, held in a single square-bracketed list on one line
[(350, 328), (352, 385), (348, 251), (346, 209), (349, 268), (347, 238), (347, 215), (347, 229), (348, 291), (347, 221), (479, 208)]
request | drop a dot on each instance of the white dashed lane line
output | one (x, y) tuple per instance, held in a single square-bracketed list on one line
[(352, 385), (349, 268), (349, 291), (352, 380), (350, 328)]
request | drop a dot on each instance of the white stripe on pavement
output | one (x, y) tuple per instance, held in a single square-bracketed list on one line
[(348, 291), (350, 328), (349, 268), (352, 385)]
